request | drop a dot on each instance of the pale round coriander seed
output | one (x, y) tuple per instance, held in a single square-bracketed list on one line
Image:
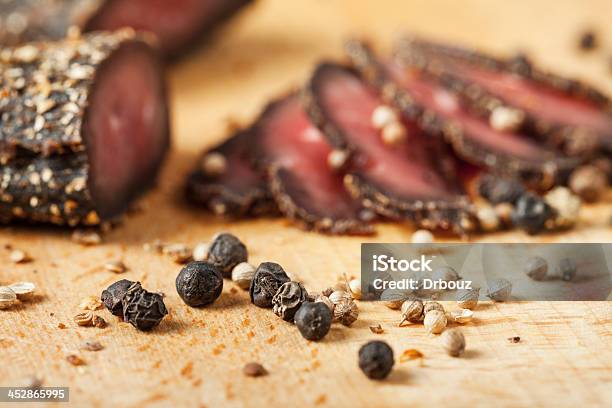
[(500, 290), (468, 298), (7, 297), (200, 252), (23, 290), (412, 311), (242, 275), (355, 288), (453, 341), (422, 237), (435, 322)]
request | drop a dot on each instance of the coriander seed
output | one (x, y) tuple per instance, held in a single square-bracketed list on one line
[(288, 299), (18, 256), (376, 359), (7, 297), (355, 288), (179, 253), (92, 346), (431, 305), (462, 316), (325, 300), (412, 311), (536, 268), (23, 290), (394, 298), (346, 312), (200, 252), (338, 296), (453, 341), (313, 320), (269, 276), (227, 251), (91, 303), (199, 284), (83, 319), (435, 321), (116, 266), (468, 298), (243, 274), (500, 290)]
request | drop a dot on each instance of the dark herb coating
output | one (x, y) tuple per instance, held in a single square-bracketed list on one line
[(227, 251), (199, 284), (269, 276), (376, 359), (531, 213), (454, 214), (228, 200), (288, 300), (112, 297), (573, 140), (33, 20), (142, 309), (45, 90), (313, 320), (498, 189), (545, 173)]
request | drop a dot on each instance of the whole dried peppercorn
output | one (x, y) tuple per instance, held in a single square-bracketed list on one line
[(227, 251), (376, 359), (199, 283), (142, 309), (288, 299), (313, 320), (269, 276), (531, 213), (497, 190), (112, 296)]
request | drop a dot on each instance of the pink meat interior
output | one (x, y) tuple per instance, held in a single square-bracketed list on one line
[(406, 170), (433, 96), (538, 99), (294, 144), (241, 176), (174, 21), (126, 127)]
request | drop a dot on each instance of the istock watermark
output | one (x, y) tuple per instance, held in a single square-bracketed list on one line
[(426, 271)]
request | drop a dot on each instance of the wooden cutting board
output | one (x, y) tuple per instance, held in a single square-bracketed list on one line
[(195, 357)]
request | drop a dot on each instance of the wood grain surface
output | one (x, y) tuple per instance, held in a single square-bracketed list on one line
[(194, 358)]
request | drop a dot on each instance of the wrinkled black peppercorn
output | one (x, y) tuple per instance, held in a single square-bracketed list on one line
[(227, 251), (288, 299), (313, 320), (269, 276), (142, 309), (531, 213), (114, 294), (376, 359), (199, 283), (498, 190)]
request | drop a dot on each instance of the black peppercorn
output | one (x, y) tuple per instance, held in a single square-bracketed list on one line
[(227, 251), (497, 190), (376, 359), (199, 283), (531, 213), (114, 294), (269, 276), (288, 299), (142, 309), (313, 320)]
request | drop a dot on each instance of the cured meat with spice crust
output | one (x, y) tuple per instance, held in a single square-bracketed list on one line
[(305, 187), (84, 127), (177, 23), (403, 180), (565, 112), (226, 181), (441, 112)]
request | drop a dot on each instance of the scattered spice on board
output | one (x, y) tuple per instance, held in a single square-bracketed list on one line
[(92, 303), (200, 252), (514, 339), (536, 268), (453, 341), (269, 276), (462, 316), (113, 295), (377, 329), (75, 360), (566, 269), (18, 256), (435, 321), (84, 319), (243, 274), (412, 311), (500, 290), (376, 359), (92, 346), (588, 40), (99, 322), (7, 297), (199, 283), (179, 253), (23, 290), (116, 266), (254, 369), (143, 309), (411, 354), (288, 299), (346, 312), (86, 237)]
